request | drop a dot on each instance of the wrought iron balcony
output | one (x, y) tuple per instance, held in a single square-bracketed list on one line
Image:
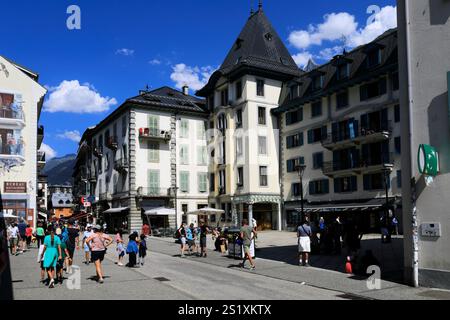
[(369, 164), (155, 134), (121, 165), (98, 151), (105, 196), (153, 192), (112, 143)]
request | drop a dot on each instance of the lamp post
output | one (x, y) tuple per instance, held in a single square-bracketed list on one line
[(387, 169), (301, 170), (175, 190)]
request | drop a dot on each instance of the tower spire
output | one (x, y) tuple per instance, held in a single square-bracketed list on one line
[(260, 5)]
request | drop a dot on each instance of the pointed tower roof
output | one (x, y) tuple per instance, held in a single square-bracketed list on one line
[(311, 65), (259, 48)]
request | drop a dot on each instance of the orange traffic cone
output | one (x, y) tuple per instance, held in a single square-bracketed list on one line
[(348, 266)]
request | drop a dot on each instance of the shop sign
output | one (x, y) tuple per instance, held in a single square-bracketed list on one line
[(15, 187)]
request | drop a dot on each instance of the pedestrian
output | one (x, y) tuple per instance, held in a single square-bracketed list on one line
[(395, 225), (190, 239), (40, 234), (145, 229), (204, 230), (71, 241), (13, 238), (181, 235), (28, 235), (40, 260), (247, 233), (64, 259), (196, 233), (132, 251), (337, 233), (22, 233), (51, 253), (98, 242), (120, 249), (304, 243), (142, 250), (87, 251)]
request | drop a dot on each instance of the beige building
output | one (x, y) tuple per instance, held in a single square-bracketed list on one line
[(244, 144), (21, 99)]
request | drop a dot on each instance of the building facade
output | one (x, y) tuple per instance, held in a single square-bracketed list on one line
[(60, 201), (21, 99), (340, 124), (149, 153), (244, 138), (424, 28)]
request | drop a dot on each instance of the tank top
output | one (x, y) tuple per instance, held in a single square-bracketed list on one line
[(98, 242)]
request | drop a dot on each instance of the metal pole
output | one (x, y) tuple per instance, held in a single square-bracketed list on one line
[(176, 209), (301, 199)]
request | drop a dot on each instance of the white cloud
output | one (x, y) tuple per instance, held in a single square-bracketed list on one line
[(125, 52), (341, 28), (49, 151), (155, 62), (71, 96), (195, 77), (302, 58), (73, 135)]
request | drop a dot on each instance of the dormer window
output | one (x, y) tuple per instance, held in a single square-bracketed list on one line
[(317, 82), (343, 71), (239, 44), (268, 36), (373, 58)]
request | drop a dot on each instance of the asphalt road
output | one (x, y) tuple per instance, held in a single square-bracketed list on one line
[(164, 277)]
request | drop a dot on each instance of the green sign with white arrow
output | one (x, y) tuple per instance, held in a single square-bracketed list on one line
[(428, 160)]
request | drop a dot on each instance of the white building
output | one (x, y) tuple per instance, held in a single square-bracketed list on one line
[(149, 153), (241, 95), (21, 98), (342, 122)]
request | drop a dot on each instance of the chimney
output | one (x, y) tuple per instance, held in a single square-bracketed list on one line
[(186, 90)]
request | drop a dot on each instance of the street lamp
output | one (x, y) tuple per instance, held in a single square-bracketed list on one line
[(301, 170), (387, 170), (175, 190)]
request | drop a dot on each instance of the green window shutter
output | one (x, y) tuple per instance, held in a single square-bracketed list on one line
[(153, 181), (184, 154), (201, 155), (153, 152), (153, 124), (201, 131), (184, 181), (202, 182), (184, 130)]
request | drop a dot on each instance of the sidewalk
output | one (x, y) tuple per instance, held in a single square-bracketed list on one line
[(283, 269)]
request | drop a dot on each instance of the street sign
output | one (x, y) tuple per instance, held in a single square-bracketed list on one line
[(428, 160)]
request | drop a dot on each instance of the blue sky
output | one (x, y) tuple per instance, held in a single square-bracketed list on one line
[(124, 45)]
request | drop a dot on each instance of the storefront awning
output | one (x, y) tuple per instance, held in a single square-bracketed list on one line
[(159, 211), (369, 205), (206, 212), (116, 210)]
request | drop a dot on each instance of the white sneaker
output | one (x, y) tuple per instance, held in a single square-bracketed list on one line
[(120, 264)]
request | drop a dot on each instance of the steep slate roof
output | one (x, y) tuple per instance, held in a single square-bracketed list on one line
[(357, 73), (170, 99), (258, 46)]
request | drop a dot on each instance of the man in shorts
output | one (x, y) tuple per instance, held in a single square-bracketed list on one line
[(246, 236), (13, 237)]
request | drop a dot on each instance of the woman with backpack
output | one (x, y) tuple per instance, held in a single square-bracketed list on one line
[(98, 243), (181, 234), (142, 250), (132, 250)]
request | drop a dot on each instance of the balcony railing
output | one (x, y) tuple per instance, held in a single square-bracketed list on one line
[(335, 140), (121, 164), (98, 151), (112, 143), (153, 192), (156, 134), (41, 156), (13, 116), (357, 166), (105, 196)]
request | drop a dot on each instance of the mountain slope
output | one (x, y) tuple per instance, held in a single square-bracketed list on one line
[(59, 170)]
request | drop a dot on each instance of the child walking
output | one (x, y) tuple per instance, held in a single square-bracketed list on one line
[(142, 250), (120, 249), (132, 250)]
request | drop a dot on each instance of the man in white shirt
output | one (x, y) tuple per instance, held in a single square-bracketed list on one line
[(13, 237)]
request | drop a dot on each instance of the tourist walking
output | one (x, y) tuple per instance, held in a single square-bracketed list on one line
[(204, 230), (40, 234), (304, 243), (142, 250), (247, 234), (51, 254), (120, 249), (13, 238), (87, 251), (132, 251), (65, 259), (190, 239), (22, 233), (28, 235), (181, 235), (71, 242), (98, 243)]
